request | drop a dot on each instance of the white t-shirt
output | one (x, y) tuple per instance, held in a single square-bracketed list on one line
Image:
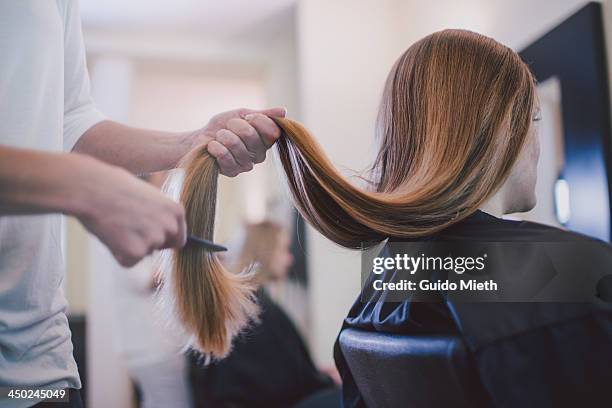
[(45, 105)]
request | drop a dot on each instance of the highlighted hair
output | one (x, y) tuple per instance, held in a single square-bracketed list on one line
[(455, 114)]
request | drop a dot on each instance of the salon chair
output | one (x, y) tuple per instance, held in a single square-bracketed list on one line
[(393, 370)]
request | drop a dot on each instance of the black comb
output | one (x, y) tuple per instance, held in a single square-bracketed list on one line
[(205, 244)]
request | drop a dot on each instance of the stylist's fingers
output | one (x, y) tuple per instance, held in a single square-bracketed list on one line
[(267, 129), (273, 112), (227, 163), (277, 112), (182, 234), (237, 148), (249, 137), (176, 228)]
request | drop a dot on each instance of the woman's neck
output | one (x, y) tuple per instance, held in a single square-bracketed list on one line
[(494, 206)]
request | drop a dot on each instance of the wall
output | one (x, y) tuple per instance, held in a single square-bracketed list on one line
[(514, 23)]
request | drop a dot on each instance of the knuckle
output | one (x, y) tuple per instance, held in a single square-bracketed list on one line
[(136, 251), (275, 133), (227, 163), (181, 213), (259, 158), (245, 169), (224, 156), (132, 261), (241, 127), (247, 130), (178, 209), (233, 142), (121, 259), (152, 243), (235, 123), (127, 260), (123, 262), (158, 243), (231, 173), (221, 135), (135, 254), (228, 138), (172, 228), (176, 228)]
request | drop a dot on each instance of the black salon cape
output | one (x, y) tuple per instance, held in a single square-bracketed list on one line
[(269, 366), (526, 354)]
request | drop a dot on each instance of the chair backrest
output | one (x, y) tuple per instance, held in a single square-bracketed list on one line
[(393, 370)]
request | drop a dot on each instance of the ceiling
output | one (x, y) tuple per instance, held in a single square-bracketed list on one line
[(210, 18)]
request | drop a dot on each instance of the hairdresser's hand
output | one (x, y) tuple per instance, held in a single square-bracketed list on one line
[(239, 139), (129, 216)]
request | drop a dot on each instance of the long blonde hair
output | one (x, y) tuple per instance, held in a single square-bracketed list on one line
[(454, 117)]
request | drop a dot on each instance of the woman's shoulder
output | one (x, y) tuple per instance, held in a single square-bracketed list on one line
[(482, 226)]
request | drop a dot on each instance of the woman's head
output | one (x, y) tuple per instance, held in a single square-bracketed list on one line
[(266, 244), (455, 116)]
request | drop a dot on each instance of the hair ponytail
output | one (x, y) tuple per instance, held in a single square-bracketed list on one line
[(348, 215)]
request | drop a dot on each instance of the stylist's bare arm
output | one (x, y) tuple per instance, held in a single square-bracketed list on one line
[(128, 215), (238, 139)]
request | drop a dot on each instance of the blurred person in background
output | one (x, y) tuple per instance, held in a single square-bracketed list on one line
[(152, 353), (269, 365), (60, 155)]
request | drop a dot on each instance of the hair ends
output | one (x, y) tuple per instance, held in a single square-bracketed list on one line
[(210, 303)]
